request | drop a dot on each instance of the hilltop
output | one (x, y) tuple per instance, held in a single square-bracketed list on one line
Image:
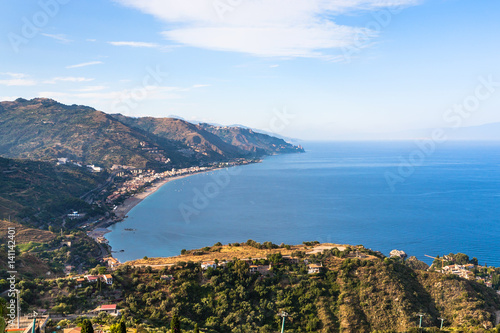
[(251, 141), (322, 287), (356, 290), (43, 129)]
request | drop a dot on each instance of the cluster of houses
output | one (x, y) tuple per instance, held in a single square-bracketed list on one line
[(65, 160), (265, 269), (144, 177), (464, 271), (158, 154), (111, 262), (106, 278)]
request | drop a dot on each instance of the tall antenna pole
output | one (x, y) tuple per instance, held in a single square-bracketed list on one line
[(283, 315), (442, 320), (421, 315)]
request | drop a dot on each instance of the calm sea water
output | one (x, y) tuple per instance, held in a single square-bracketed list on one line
[(336, 192)]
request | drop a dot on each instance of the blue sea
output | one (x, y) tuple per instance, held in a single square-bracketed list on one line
[(421, 198)]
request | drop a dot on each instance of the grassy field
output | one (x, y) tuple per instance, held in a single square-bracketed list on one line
[(24, 234), (229, 252)]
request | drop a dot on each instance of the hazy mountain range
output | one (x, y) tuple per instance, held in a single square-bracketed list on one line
[(43, 129)]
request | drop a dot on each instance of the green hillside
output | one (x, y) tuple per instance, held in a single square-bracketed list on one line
[(43, 129), (251, 141), (203, 143), (355, 291), (42, 191)]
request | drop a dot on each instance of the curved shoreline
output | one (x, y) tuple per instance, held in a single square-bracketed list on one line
[(122, 210)]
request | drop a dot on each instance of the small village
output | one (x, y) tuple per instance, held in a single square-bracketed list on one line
[(139, 179)]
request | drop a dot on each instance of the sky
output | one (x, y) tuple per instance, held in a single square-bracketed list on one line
[(308, 69)]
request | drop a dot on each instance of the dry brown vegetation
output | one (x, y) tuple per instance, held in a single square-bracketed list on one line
[(228, 252), (25, 234)]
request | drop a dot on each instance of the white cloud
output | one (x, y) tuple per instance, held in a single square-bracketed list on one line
[(201, 85), (16, 79), (85, 96), (68, 79), (59, 37), (91, 40), (283, 28), (85, 64), (15, 75), (135, 44)]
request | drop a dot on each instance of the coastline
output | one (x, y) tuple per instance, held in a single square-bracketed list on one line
[(122, 210)]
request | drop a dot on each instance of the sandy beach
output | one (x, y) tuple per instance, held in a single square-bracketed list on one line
[(122, 210)]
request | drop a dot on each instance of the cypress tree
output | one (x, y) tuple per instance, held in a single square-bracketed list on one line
[(123, 328), (87, 326), (175, 325)]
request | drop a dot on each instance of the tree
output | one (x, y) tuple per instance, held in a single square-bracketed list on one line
[(175, 325), (3, 315), (115, 328), (495, 281), (461, 259), (240, 268), (275, 258), (196, 329), (87, 326), (61, 308), (123, 327)]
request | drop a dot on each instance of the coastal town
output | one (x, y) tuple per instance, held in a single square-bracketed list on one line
[(127, 186)]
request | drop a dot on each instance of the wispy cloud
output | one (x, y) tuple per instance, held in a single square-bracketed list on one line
[(90, 63), (135, 44), (68, 79), (59, 37), (91, 88), (201, 85), (153, 93), (16, 79), (271, 28)]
